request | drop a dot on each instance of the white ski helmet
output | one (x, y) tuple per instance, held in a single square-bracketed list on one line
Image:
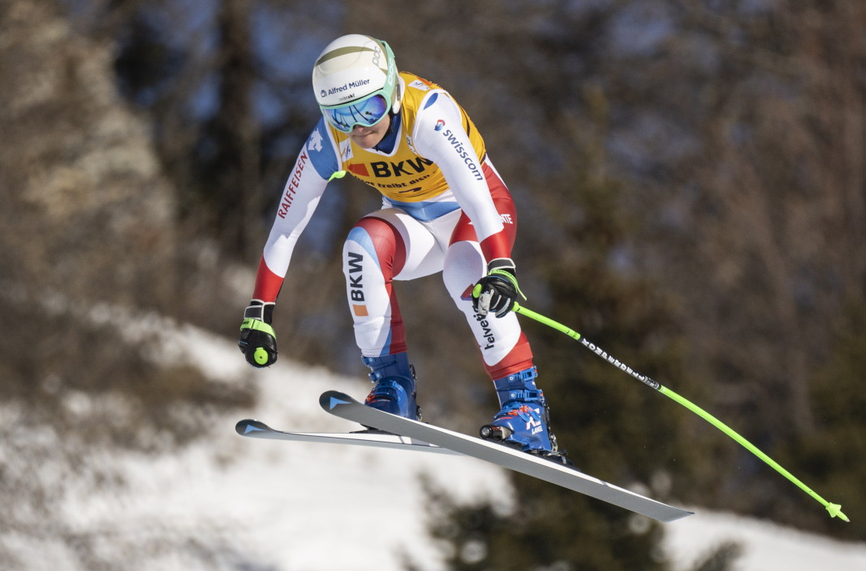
[(355, 81)]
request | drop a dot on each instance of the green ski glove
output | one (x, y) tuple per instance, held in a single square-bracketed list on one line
[(497, 291), (258, 341)]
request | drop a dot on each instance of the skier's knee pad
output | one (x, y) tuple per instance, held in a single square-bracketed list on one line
[(377, 239)]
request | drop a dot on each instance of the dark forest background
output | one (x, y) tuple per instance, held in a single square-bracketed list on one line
[(691, 184)]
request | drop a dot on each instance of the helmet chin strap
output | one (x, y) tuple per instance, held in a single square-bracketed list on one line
[(393, 112), (391, 115), (388, 133)]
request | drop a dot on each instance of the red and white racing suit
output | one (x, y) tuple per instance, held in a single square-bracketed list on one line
[(444, 209)]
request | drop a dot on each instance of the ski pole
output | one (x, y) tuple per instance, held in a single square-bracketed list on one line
[(835, 510)]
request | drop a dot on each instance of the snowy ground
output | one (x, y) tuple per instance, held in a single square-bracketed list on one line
[(767, 547), (276, 506)]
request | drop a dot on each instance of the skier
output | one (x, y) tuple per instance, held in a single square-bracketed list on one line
[(444, 208)]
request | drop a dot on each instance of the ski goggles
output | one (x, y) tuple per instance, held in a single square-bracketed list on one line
[(365, 113)]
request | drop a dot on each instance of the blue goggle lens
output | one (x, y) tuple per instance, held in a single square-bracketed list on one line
[(366, 113)]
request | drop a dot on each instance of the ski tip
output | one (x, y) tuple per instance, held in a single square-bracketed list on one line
[(677, 516), (332, 399), (836, 511), (244, 427)]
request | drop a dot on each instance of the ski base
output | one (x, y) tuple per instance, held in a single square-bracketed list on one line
[(344, 406)]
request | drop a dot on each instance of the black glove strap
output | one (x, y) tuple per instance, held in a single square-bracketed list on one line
[(258, 309)]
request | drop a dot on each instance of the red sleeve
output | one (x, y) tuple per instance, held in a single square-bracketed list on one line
[(496, 246), (268, 283)]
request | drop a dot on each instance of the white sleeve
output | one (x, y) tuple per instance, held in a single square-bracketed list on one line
[(439, 135), (300, 198)]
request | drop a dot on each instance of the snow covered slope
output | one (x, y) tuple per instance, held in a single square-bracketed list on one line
[(229, 503)]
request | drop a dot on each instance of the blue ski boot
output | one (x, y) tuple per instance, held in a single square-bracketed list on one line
[(524, 421), (395, 385)]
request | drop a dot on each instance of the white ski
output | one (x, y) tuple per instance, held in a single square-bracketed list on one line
[(257, 429), (344, 406)]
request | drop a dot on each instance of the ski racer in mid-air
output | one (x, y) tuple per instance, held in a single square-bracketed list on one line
[(444, 209)]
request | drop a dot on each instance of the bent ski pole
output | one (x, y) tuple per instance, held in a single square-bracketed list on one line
[(835, 510)]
